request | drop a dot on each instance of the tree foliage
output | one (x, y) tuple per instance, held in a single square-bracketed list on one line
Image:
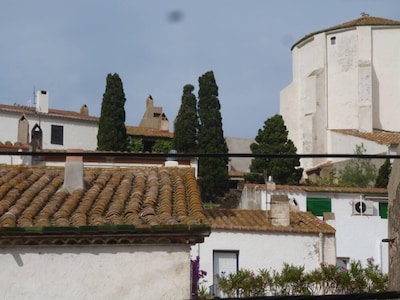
[(186, 123), (111, 135), (213, 171), (135, 144), (273, 139), (358, 172), (382, 180), (161, 146)]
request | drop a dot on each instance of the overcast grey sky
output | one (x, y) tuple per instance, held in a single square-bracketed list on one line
[(158, 46)]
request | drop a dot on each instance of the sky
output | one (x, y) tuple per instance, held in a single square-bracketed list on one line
[(68, 47)]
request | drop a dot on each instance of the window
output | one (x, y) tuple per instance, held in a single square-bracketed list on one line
[(342, 262), (225, 262), (383, 210), (317, 206), (57, 135), (333, 40)]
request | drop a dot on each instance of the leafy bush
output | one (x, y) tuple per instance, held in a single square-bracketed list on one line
[(244, 283), (292, 280)]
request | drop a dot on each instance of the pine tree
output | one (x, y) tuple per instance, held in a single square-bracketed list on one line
[(273, 139), (111, 135), (213, 171), (359, 172), (382, 180), (186, 123)]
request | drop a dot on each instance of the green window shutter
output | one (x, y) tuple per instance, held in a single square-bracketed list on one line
[(317, 206), (383, 210)]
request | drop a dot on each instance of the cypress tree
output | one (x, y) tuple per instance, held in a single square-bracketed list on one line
[(186, 123), (213, 171), (273, 139), (111, 135), (384, 171)]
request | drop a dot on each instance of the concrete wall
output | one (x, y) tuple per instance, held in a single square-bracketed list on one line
[(267, 250), (95, 272), (78, 133), (386, 71), (357, 237), (346, 84)]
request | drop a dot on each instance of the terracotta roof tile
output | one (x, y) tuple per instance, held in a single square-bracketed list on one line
[(365, 20), (256, 220), (333, 189), (52, 112), (147, 131), (140, 197), (380, 137)]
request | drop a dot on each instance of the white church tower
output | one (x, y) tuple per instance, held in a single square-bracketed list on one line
[(346, 80)]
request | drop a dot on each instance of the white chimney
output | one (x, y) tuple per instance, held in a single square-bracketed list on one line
[(42, 102), (270, 184), (171, 161), (280, 210), (73, 177)]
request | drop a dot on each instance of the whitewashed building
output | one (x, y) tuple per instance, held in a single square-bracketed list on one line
[(256, 239), (47, 128), (98, 233), (345, 84), (359, 216)]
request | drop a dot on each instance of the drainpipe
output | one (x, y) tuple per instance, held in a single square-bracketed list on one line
[(321, 248)]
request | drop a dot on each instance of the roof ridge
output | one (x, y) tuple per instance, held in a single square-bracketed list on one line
[(365, 20)]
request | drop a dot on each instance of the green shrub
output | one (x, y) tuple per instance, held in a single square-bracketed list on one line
[(293, 280)]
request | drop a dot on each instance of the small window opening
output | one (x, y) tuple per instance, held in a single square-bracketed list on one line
[(333, 40)]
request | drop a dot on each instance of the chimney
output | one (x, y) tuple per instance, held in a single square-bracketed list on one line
[(42, 102), (73, 177), (270, 184), (84, 110), (171, 161), (280, 211)]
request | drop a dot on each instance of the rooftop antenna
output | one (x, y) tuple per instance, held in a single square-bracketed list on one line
[(35, 102), (34, 95)]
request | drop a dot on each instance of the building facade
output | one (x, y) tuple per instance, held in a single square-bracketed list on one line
[(256, 239), (344, 78), (359, 216)]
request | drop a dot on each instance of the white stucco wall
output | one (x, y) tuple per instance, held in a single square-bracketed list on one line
[(386, 71), (357, 237), (268, 250), (95, 272), (78, 133), (348, 84)]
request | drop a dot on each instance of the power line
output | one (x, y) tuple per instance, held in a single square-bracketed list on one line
[(199, 155)]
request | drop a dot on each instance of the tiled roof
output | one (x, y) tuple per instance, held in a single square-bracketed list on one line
[(324, 189), (365, 20), (147, 131), (256, 220), (118, 205), (52, 112), (380, 137)]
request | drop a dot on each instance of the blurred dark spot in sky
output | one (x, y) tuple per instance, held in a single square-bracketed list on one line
[(175, 16)]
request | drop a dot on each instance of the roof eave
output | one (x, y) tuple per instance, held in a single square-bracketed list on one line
[(98, 235)]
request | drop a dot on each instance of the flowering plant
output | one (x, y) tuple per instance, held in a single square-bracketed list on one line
[(197, 275)]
